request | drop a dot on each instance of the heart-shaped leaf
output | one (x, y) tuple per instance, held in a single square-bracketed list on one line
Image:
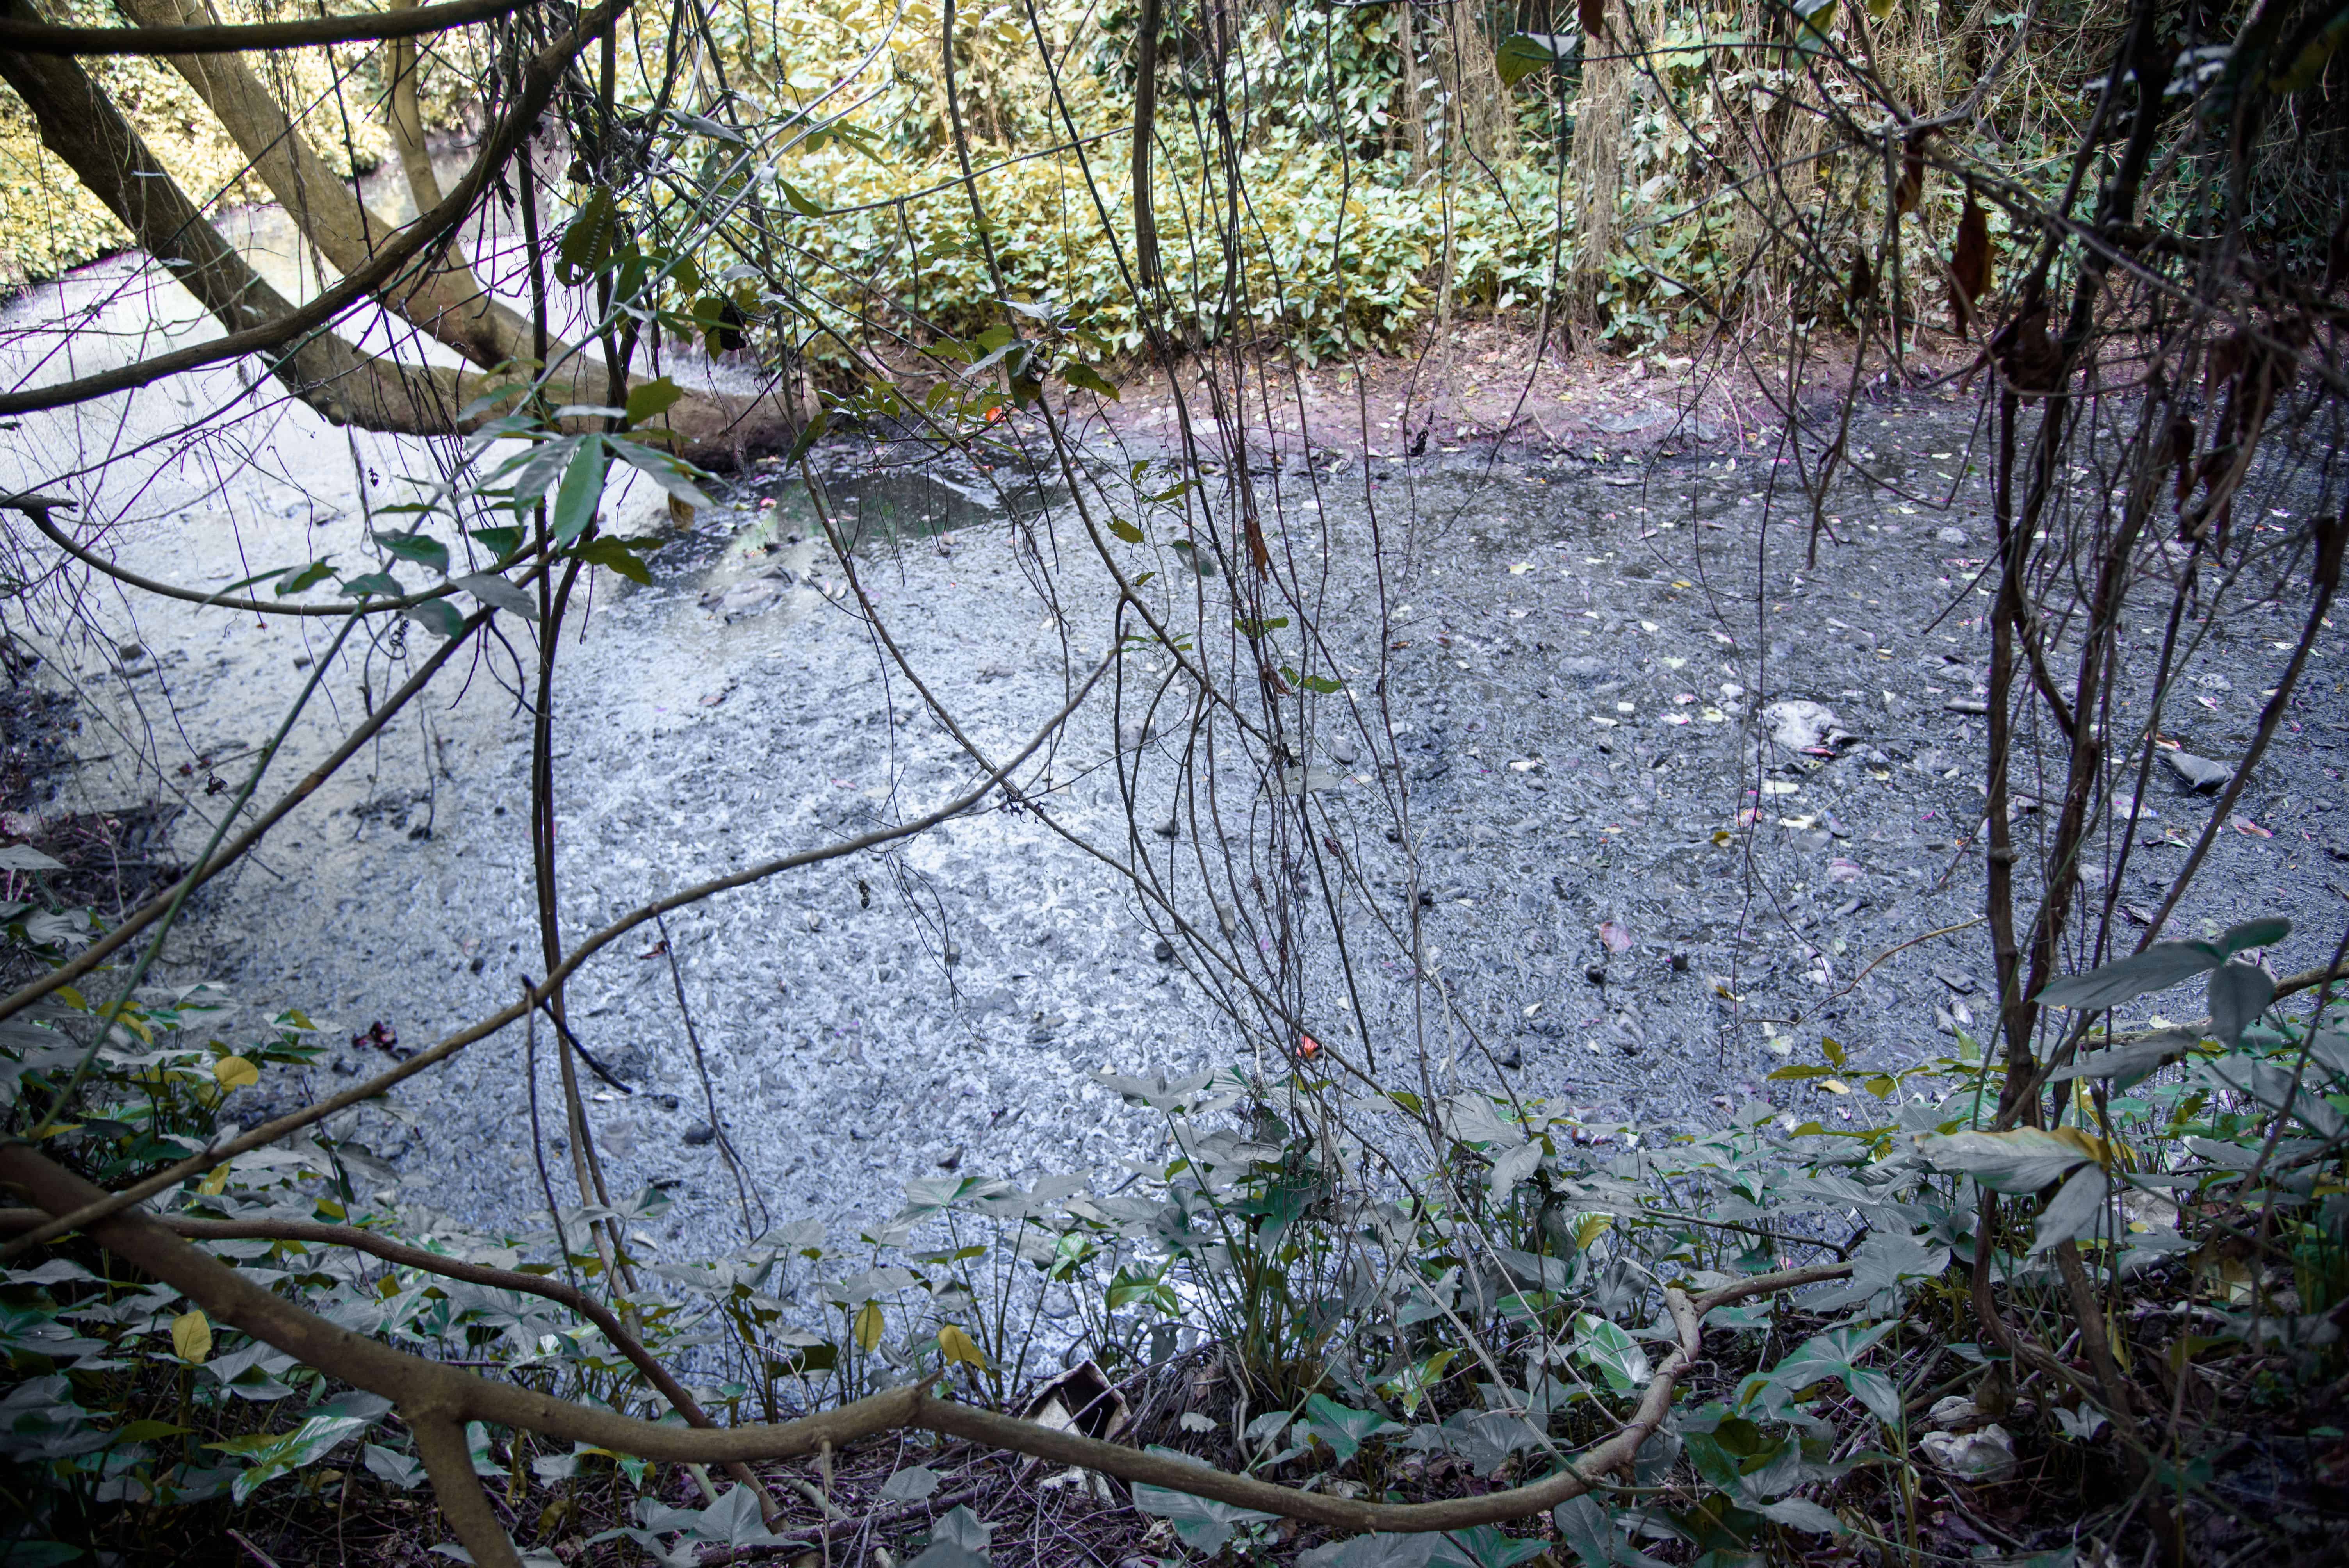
[(2240, 993)]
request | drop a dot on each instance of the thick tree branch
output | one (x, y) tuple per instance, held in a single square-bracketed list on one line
[(32, 37), (15, 1221), (446, 299), (80, 123), (430, 1391)]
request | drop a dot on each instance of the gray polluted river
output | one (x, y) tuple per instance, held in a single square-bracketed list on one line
[(1633, 900)]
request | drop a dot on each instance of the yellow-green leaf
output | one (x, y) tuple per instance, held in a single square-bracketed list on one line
[(1520, 54), (1085, 376), (235, 1072), (191, 1336), (956, 1346), (651, 400), (868, 1326)]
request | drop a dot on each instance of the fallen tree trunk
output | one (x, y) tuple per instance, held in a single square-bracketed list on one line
[(80, 123), (447, 300)]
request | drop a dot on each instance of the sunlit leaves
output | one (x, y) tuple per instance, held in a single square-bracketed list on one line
[(1611, 1352), (191, 1336), (322, 1430), (868, 1326), (1815, 19), (956, 1345), (649, 400), (2021, 1160), (1086, 378)]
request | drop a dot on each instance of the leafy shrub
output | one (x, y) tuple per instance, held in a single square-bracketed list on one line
[(1477, 1318)]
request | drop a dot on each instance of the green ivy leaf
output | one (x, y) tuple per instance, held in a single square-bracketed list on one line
[(808, 437), (1081, 374), (1204, 1525), (1345, 1428), (438, 616), (305, 577), (651, 400), (586, 242), (422, 549), (672, 474), (616, 556), (372, 585), (2157, 968), (499, 541)]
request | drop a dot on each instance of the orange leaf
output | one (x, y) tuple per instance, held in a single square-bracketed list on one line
[(1258, 554)]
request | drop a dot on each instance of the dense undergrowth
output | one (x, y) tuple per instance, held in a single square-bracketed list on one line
[(1283, 1298), (1329, 177)]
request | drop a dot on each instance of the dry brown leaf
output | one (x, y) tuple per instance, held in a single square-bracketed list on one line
[(1970, 263), (1911, 187)]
